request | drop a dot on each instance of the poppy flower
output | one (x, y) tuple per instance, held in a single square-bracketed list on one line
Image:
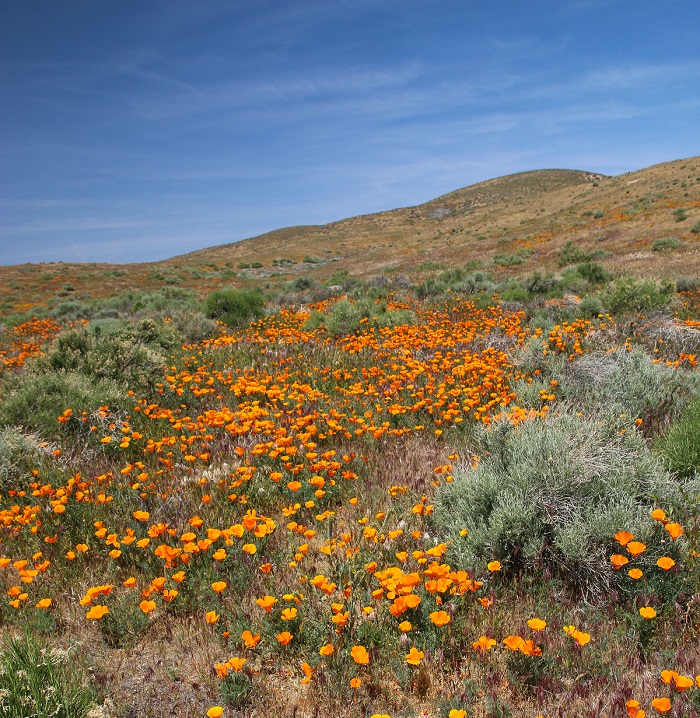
[(147, 606), (623, 537), (537, 624), (513, 642), (683, 683), (235, 663), (633, 711), (141, 515), (289, 614), (249, 639), (647, 612), (44, 603), (440, 618), (493, 566), (97, 612), (355, 682), (665, 563), (326, 650), (658, 514), (414, 656), (211, 617), (405, 626), (359, 655), (618, 561), (636, 548), (284, 638), (215, 712), (662, 705), (308, 672), (635, 573), (674, 530), (457, 713), (484, 644), (218, 586), (266, 603)]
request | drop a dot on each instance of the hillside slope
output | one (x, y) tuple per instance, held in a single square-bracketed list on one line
[(529, 216)]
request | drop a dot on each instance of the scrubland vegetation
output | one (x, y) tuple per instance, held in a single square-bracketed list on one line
[(460, 496), (441, 461)]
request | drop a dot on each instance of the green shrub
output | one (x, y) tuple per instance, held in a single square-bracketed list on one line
[(430, 288), (570, 254), (696, 228), (660, 245), (590, 307), (33, 400), (510, 260), (637, 295), (680, 445), (346, 317), (39, 682), (256, 265), (592, 272), (130, 355), (234, 306), (549, 495), (475, 283), (20, 453), (680, 215)]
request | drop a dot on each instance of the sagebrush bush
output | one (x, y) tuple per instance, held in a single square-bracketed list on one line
[(20, 454), (346, 317), (548, 495), (625, 382), (637, 295), (660, 245), (130, 355), (680, 445), (38, 682), (33, 400), (234, 306)]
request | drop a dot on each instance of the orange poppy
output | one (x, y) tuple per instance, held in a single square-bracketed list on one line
[(440, 618), (359, 655), (665, 563), (414, 656)]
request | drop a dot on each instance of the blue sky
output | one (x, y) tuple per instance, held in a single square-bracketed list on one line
[(134, 131)]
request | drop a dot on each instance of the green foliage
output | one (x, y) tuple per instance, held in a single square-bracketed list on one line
[(696, 228), (234, 306), (548, 495), (660, 245), (592, 272), (510, 260), (346, 317), (680, 215), (235, 689), (590, 307), (38, 682), (430, 288), (20, 453), (475, 283), (627, 294), (131, 355), (124, 623), (34, 399), (680, 445), (571, 254)]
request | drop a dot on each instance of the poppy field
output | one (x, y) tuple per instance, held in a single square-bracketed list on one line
[(448, 506)]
